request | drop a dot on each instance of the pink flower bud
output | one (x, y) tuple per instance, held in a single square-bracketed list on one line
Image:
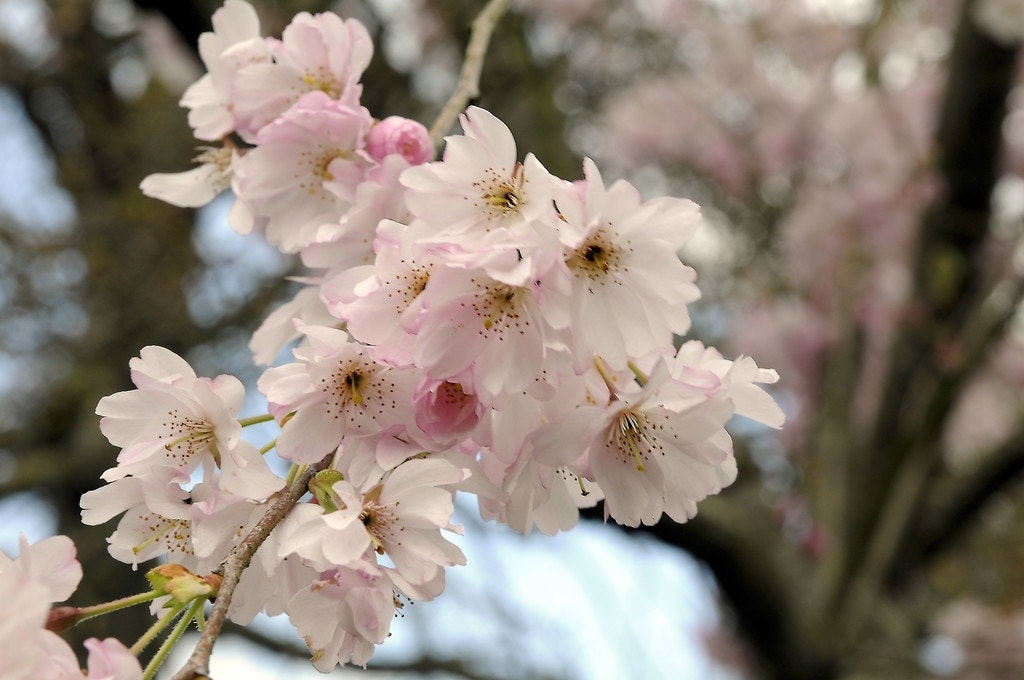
[(402, 136)]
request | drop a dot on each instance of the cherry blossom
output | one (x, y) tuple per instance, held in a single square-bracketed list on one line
[(510, 335), (234, 44), (196, 187), (644, 444), (622, 255), (401, 516), (479, 185), (49, 563), (343, 614), (109, 659), (305, 170), (336, 389), (316, 53), (157, 520), (43, 573), (176, 419), (400, 136)]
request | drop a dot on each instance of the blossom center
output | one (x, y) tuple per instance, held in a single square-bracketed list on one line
[(220, 159), (596, 257), (406, 286), (499, 307), (353, 384), (503, 195), (174, 534), (188, 436), (378, 520), (323, 81), (632, 436)]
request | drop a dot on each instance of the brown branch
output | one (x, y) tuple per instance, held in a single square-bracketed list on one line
[(950, 295), (1000, 468), (468, 86), (197, 666), (423, 665)]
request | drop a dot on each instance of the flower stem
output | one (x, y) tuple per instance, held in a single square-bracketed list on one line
[(115, 605), (641, 377), (156, 628), (609, 382), (195, 610), (255, 420)]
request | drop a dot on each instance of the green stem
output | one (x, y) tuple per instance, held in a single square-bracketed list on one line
[(641, 378), (602, 370), (156, 628), (201, 619), (193, 612), (115, 605), (268, 446), (294, 471), (255, 420)]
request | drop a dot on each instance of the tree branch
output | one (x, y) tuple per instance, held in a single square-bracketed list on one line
[(998, 470), (468, 86), (197, 666), (423, 665), (949, 293)]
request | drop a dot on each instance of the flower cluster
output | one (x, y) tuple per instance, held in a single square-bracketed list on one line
[(470, 324)]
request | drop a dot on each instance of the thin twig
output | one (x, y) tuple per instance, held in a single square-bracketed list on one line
[(468, 86), (197, 666)]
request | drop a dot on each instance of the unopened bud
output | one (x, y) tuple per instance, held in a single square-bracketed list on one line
[(321, 487), (61, 619), (181, 584)]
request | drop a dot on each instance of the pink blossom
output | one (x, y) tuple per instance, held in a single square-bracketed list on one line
[(740, 379), (623, 257), (109, 659), (510, 335), (234, 44), (657, 450), (544, 496), (401, 136), (326, 537), (269, 583), (445, 411), (381, 304), (478, 186), (400, 516), (279, 328), (404, 516), (177, 419), (196, 187), (337, 389), (317, 53), (304, 171), (195, 528), (50, 563), (23, 610), (350, 241), (343, 614), (43, 573)]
